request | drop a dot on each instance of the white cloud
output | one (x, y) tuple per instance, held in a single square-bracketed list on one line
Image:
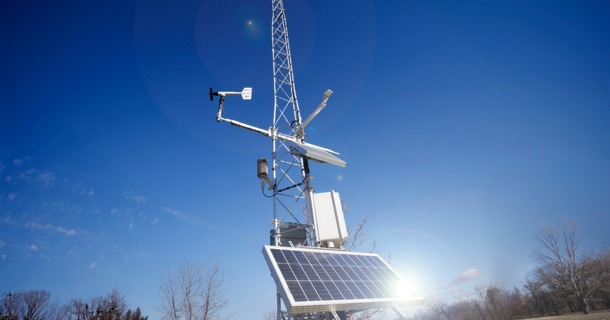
[(181, 215), (468, 275), (11, 196), (68, 232), (3, 256), (33, 247), (93, 265), (174, 212), (26, 175), (8, 220), (79, 189), (58, 229), (46, 179), (135, 198)]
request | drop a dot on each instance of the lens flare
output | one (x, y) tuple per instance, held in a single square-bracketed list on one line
[(404, 289)]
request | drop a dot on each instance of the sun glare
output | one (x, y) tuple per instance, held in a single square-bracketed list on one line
[(405, 289)]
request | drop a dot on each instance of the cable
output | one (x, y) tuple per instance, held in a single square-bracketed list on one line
[(282, 190)]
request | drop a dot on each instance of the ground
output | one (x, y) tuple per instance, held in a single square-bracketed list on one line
[(604, 315)]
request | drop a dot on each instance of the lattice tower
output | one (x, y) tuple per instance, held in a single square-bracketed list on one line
[(287, 170)]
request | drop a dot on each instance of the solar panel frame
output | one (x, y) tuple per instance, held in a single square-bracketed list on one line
[(323, 280)]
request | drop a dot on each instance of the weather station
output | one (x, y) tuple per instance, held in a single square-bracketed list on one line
[(315, 276)]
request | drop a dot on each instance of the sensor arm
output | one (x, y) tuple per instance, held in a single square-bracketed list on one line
[(299, 132), (236, 123), (247, 95)]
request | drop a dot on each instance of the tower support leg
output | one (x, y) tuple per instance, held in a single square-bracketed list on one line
[(279, 307), (399, 314)]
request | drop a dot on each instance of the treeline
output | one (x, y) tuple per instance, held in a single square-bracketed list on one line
[(568, 278), (37, 305)]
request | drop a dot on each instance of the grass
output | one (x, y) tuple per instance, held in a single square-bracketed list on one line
[(604, 315)]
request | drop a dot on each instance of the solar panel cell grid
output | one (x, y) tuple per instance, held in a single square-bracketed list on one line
[(330, 280), (296, 290)]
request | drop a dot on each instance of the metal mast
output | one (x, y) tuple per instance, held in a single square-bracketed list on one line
[(288, 171), (328, 297), (293, 197)]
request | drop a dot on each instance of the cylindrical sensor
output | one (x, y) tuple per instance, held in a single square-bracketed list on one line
[(261, 170)]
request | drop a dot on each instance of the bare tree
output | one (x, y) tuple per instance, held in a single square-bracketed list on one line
[(357, 238), (355, 242), (29, 305), (543, 298), (499, 301), (463, 309), (57, 312), (195, 293), (37, 305), (517, 303), (8, 308), (440, 309), (170, 297), (111, 307), (134, 315), (80, 310), (604, 293), (366, 314), (33, 304), (566, 265), (270, 315), (534, 289)]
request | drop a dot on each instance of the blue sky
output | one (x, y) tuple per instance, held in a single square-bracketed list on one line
[(467, 127)]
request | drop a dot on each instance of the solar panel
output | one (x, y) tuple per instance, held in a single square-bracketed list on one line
[(315, 153), (322, 280)]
